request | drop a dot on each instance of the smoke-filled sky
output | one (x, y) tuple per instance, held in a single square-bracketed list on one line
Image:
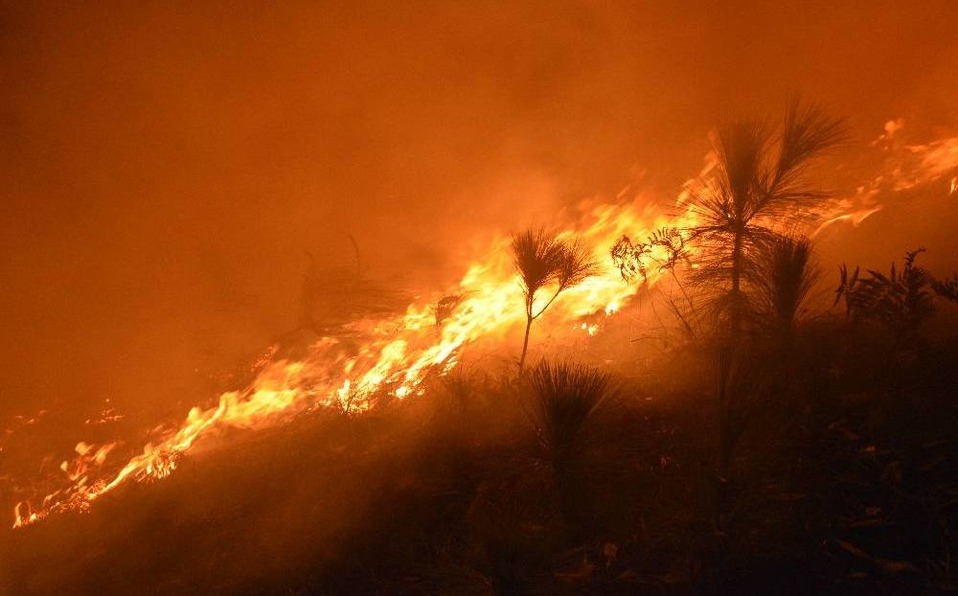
[(167, 165)]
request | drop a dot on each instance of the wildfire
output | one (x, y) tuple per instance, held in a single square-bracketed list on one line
[(906, 167), (399, 355), (401, 352)]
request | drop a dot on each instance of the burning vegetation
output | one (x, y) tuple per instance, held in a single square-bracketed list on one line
[(633, 394), (714, 461)]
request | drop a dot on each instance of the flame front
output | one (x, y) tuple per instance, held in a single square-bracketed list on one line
[(400, 353), (398, 356)]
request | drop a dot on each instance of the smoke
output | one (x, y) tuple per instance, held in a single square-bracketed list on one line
[(169, 168)]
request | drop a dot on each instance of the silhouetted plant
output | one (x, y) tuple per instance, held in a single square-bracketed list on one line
[(786, 274), (333, 297), (847, 285), (947, 288), (564, 398), (750, 376), (662, 252), (664, 249), (900, 301), (760, 180), (543, 261)]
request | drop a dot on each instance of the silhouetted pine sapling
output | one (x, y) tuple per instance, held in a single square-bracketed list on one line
[(760, 180), (900, 301), (546, 262), (785, 276)]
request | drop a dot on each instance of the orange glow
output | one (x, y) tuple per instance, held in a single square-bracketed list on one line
[(911, 166), (400, 352)]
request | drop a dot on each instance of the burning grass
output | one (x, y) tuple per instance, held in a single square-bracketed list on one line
[(847, 484), (824, 464)]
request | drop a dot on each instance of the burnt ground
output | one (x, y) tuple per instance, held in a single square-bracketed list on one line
[(846, 482)]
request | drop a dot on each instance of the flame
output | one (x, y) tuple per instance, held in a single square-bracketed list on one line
[(401, 352), (906, 167), (935, 160)]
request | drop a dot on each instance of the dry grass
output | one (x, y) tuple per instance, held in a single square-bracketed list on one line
[(848, 485)]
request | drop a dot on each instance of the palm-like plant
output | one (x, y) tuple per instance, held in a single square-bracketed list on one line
[(565, 397), (544, 260), (564, 400), (786, 275), (760, 181)]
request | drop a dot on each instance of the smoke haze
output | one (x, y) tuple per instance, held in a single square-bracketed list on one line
[(168, 166)]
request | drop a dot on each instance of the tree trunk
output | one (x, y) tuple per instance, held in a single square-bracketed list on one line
[(724, 414), (525, 344), (727, 354), (735, 315)]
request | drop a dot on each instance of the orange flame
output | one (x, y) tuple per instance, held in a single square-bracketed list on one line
[(907, 167), (401, 352)]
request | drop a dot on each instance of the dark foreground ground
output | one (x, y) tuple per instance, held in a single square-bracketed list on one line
[(846, 482)]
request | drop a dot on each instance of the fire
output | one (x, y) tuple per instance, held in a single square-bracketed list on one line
[(401, 352), (935, 160), (906, 167)]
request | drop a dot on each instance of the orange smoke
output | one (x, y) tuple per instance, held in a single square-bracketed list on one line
[(399, 354)]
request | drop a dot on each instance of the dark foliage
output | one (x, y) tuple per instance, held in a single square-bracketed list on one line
[(846, 485), (760, 180), (542, 261), (564, 398), (947, 288), (662, 251), (786, 275), (760, 183), (900, 301)]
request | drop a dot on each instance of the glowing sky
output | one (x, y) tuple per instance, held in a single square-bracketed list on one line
[(167, 165)]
